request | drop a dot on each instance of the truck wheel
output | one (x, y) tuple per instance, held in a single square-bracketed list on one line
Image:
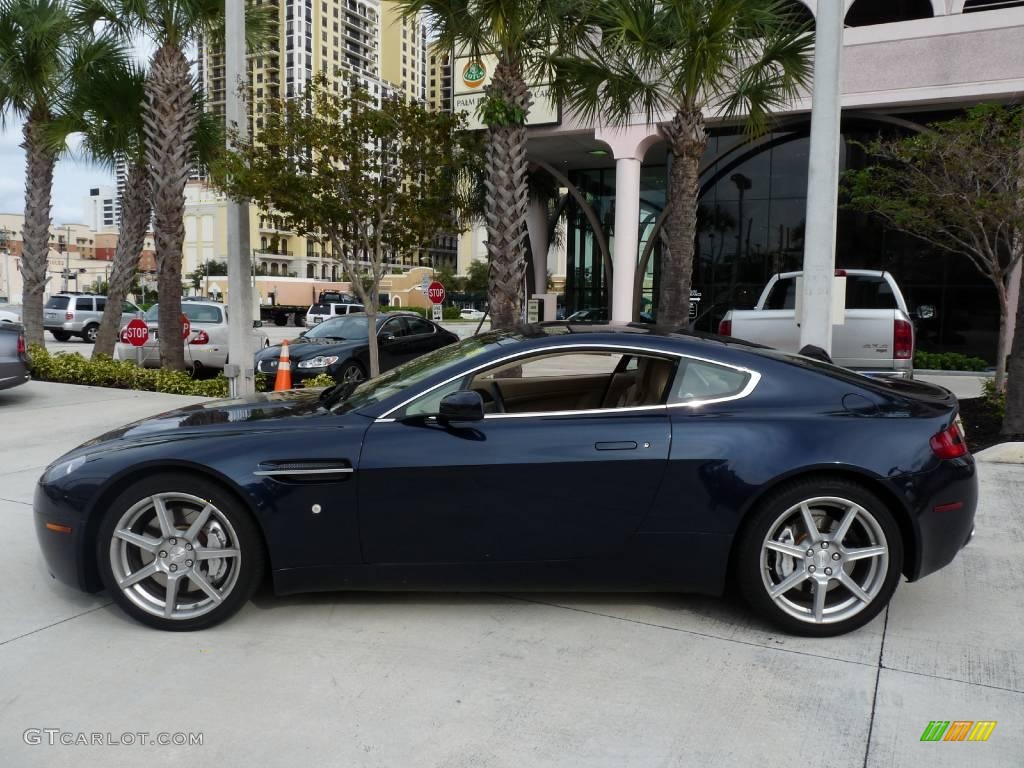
[(280, 319)]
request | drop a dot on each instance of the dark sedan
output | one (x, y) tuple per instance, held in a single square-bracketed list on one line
[(339, 347), (554, 457), (14, 360)]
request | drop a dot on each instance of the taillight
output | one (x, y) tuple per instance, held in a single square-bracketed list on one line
[(69, 315), (22, 350), (840, 273), (200, 338), (950, 443), (124, 336), (725, 328), (902, 340)]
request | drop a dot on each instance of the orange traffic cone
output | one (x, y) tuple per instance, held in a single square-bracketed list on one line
[(284, 370)]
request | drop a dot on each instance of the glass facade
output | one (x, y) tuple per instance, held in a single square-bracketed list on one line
[(751, 225)]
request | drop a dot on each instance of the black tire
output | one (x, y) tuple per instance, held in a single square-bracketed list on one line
[(349, 369), (60, 335), (280, 319), (245, 577), (793, 609), (90, 332)]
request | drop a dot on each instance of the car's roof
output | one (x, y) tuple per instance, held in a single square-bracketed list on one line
[(854, 272)]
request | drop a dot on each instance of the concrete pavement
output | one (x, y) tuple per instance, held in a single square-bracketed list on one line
[(366, 679)]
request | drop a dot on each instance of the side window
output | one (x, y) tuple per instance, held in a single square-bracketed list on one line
[(699, 380), (782, 295), (83, 304), (395, 326), (101, 304), (419, 327), (430, 404), (562, 365)]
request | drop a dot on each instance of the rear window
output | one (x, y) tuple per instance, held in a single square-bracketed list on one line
[(57, 302), (862, 292), (319, 309)]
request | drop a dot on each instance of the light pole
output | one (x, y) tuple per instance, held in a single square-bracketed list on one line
[(5, 251), (822, 179), (240, 317)]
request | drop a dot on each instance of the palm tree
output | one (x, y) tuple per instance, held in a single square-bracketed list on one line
[(44, 55), (521, 36), (108, 114), (171, 118), (681, 59)]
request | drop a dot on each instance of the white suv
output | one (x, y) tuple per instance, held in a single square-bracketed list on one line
[(319, 312), (69, 314)]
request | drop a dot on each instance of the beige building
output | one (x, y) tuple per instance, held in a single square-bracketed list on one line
[(403, 52), (439, 78)]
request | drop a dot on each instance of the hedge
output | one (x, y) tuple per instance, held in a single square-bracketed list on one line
[(948, 361)]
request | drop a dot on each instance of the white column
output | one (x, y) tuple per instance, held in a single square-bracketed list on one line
[(627, 232), (1012, 296), (537, 227), (241, 310), (822, 180)]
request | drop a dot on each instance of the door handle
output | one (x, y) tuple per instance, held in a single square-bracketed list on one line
[(617, 445)]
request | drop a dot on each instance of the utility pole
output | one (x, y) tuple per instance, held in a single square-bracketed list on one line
[(240, 314), (822, 179)]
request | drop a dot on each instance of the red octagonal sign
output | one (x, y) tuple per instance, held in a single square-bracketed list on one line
[(186, 327), (136, 333), (436, 292)]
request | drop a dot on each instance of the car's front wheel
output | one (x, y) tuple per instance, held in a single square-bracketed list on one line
[(820, 557), (350, 373), (178, 552)]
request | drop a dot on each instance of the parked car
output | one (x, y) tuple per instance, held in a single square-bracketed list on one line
[(10, 313), (69, 314), (557, 457), (207, 343), (471, 314), (14, 359), (339, 346), (319, 312), (876, 338)]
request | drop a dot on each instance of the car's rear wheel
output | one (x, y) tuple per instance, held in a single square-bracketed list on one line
[(820, 557), (61, 335), (350, 373), (178, 552), (90, 332)]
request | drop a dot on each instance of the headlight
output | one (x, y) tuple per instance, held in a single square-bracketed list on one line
[(63, 468), (319, 362)]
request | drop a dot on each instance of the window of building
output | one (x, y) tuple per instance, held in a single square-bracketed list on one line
[(865, 13)]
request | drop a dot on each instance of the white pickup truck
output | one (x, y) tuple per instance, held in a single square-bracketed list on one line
[(876, 337)]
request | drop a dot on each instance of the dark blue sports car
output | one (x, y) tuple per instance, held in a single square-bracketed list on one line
[(553, 457)]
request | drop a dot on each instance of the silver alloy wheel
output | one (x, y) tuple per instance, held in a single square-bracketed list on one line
[(175, 555), (91, 332), (352, 374), (824, 560)]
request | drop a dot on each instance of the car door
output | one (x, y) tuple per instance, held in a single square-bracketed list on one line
[(422, 337), (393, 336), (523, 486)]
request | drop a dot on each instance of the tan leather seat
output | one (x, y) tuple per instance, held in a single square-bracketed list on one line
[(652, 378)]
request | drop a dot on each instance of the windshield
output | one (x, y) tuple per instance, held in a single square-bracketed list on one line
[(422, 368), (349, 327)]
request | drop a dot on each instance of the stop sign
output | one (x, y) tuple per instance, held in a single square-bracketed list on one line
[(186, 327), (436, 292), (136, 333)]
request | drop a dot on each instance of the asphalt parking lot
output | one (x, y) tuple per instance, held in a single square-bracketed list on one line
[(354, 679)]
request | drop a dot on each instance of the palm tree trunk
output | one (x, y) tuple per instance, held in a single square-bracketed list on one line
[(36, 233), (1013, 420), (687, 141), (135, 208), (170, 120), (508, 196)]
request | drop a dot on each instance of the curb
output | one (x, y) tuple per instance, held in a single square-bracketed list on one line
[(1003, 453), (976, 374)]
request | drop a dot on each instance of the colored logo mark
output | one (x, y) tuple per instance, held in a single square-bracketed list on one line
[(958, 730), (474, 73)]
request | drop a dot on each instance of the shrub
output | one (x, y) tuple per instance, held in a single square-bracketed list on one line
[(451, 313), (421, 311), (320, 380), (102, 371), (948, 361), (995, 398)]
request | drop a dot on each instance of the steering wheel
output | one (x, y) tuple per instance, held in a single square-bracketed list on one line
[(493, 394)]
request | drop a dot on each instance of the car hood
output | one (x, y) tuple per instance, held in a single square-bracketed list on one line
[(300, 348), (222, 416)]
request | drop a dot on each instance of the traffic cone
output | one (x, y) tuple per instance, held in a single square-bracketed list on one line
[(284, 370)]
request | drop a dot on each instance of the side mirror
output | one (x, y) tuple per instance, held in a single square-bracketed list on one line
[(385, 337), (302, 333), (257, 323), (466, 405)]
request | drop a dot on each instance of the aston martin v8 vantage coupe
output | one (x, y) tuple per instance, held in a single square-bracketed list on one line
[(557, 456)]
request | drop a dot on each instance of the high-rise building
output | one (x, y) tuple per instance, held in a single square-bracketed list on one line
[(102, 208), (403, 52), (439, 74)]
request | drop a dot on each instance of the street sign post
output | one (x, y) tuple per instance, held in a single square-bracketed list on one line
[(436, 292)]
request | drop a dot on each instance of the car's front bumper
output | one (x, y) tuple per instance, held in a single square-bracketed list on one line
[(63, 551)]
